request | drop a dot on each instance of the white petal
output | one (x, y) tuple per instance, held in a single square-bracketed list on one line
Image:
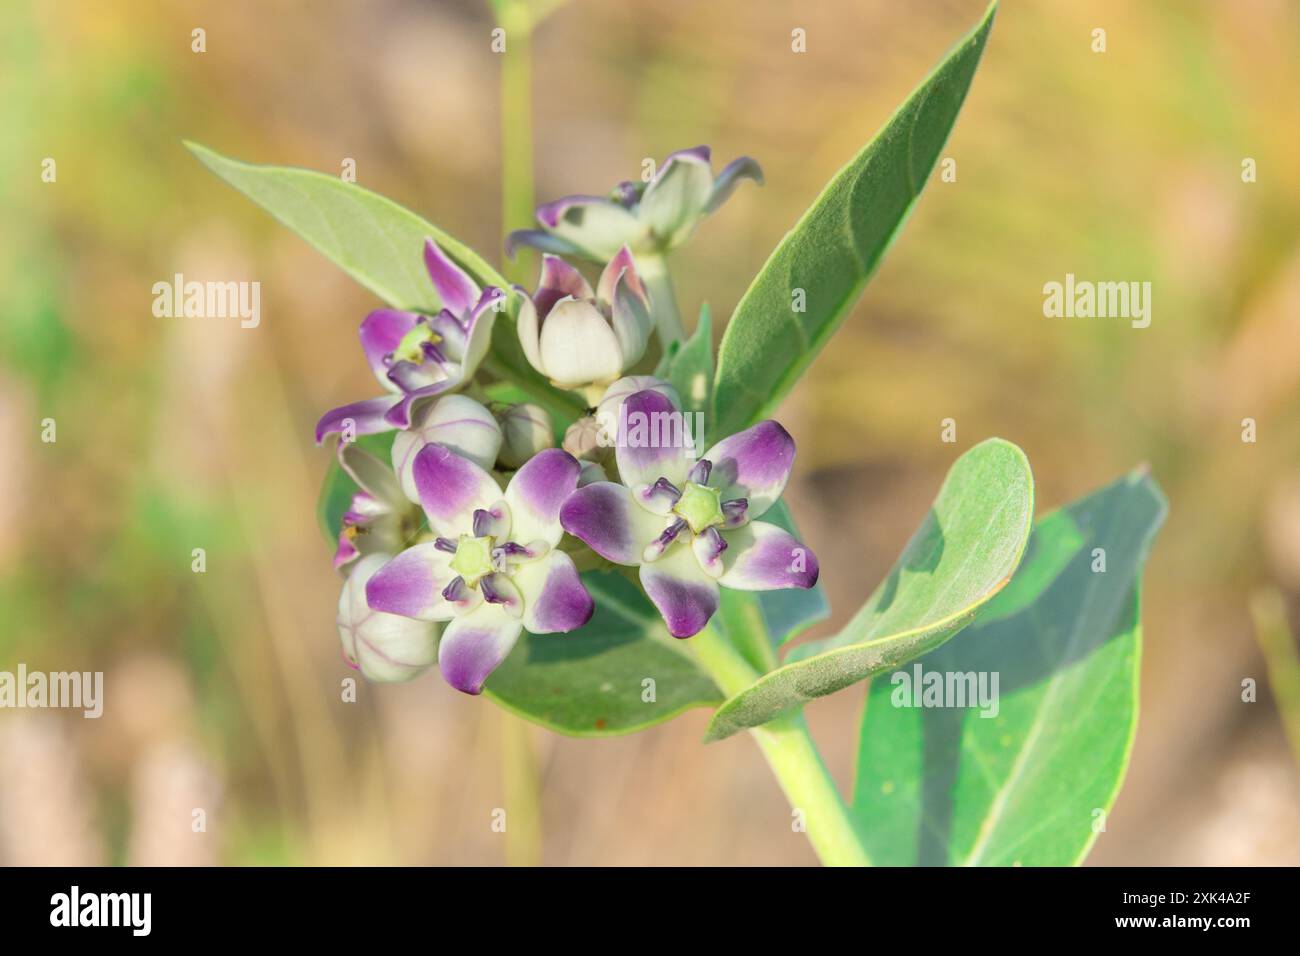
[(526, 325), (578, 346)]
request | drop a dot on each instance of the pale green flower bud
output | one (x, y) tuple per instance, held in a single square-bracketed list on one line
[(525, 430)]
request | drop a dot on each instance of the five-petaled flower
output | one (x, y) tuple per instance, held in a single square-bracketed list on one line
[(689, 524), (578, 337), (415, 356), (493, 570), (649, 217)]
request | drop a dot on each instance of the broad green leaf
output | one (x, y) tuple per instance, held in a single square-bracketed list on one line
[(592, 682), (791, 611), (964, 552), (373, 239), (338, 488), (688, 366), (822, 264), (1031, 783)]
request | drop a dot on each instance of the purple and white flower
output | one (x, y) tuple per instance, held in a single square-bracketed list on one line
[(493, 570), (689, 525), (379, 518), (416, 357), (384, 647), (576, 336), (650, 218)]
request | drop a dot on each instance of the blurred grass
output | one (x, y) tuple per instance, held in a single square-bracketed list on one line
[(176, 434)]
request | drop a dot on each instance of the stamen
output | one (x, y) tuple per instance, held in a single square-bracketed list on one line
[(445, 544), (661, 496), (660, 544), (700, 471), (413, 346), (734, 511), (434, 353), (708, 547), (491, 593)]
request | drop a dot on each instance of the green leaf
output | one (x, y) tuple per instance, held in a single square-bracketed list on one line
[(833, 250), (373, 239), (1029, 785), (591, 682), (338, 488), (963, 554), (688, 366), (380, 244), (791, 611)]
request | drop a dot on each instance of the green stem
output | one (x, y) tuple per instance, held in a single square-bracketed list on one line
[(519, 777), (517, 129), (1268, 608), (790, 752), (663, 300), (519, 767)]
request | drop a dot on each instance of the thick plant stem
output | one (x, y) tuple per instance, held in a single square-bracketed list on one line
[(663, 300), (790, 752)]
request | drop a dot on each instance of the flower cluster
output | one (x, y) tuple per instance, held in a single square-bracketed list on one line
[(456, 544)]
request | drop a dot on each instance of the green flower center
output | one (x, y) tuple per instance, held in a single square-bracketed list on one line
[(473, 558), (411, 348), (699, 506)]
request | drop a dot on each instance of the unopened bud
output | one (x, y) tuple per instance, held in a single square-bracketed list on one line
[(525, 430)]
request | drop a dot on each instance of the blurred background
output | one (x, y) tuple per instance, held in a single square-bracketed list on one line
[(222, 688)]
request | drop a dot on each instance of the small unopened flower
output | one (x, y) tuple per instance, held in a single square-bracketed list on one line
[(607, 410), (649, 217), (577, 337), (416, 357), (379, 518), (456, 421), (384, 647), (689, 525), (525, 430), (493, 570)]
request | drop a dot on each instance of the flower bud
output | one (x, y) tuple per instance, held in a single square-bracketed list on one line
[(454, 421), (585, 440), (384, 647), (576, 336), (525, 430), (607, 411), (650, 218)]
